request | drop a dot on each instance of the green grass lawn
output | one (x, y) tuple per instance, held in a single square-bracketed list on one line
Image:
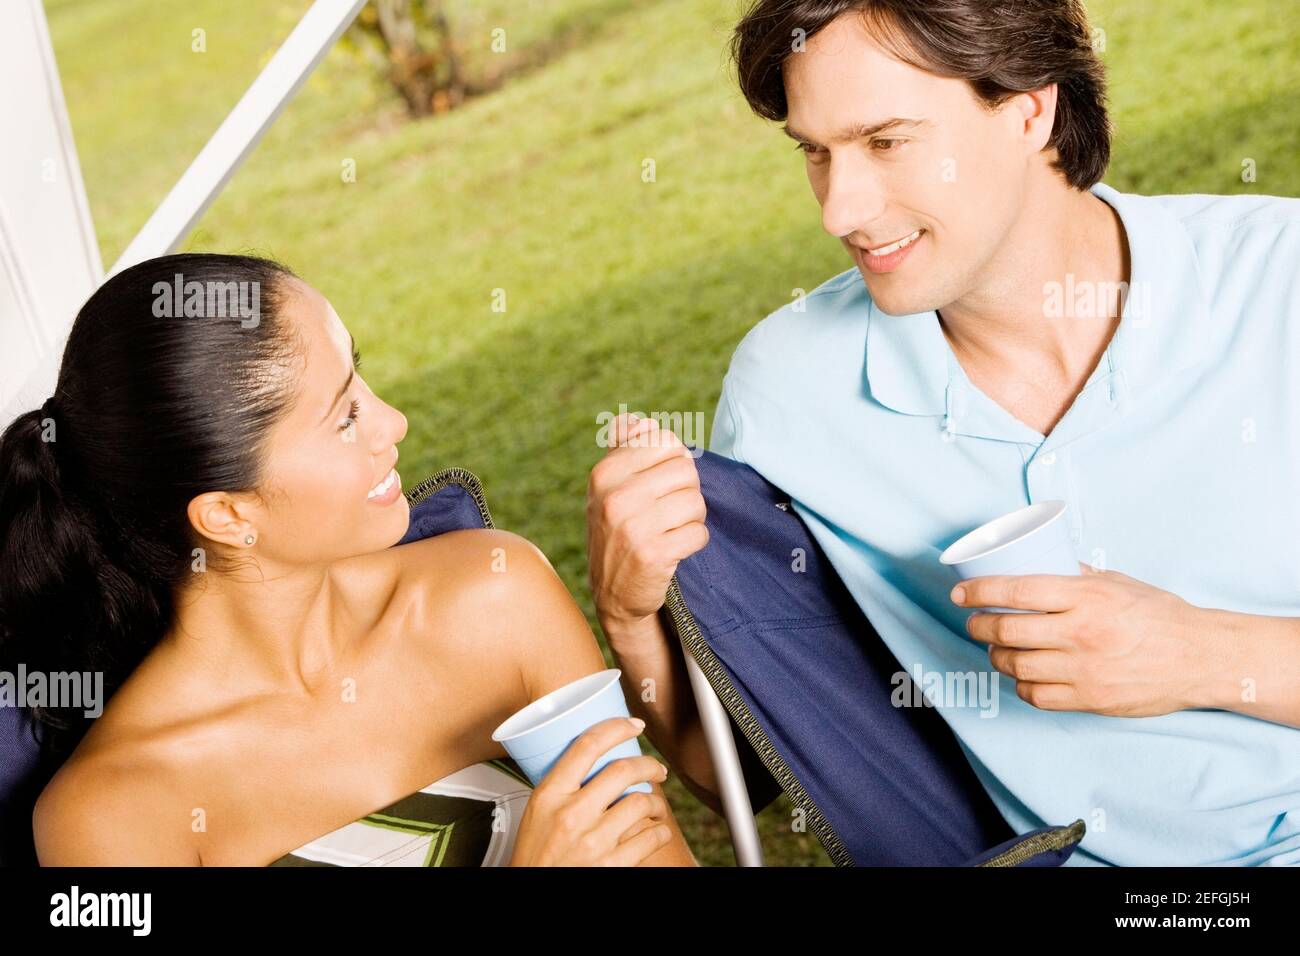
[(617, 290)]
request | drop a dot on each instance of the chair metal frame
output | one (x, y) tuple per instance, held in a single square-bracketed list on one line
[(737, 809)]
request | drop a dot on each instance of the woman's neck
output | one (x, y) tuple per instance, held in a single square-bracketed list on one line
[(277, 633)]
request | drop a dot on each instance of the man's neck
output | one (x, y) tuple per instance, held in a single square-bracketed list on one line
[(1047, 307), (1014, 323)]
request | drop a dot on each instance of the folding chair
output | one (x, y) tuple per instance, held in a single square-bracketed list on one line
[(778, 650)]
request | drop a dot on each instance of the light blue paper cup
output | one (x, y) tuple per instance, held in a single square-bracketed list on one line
[(536, 736), (1030, 540)]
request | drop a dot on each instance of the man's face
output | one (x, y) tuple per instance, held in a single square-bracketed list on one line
[(947, 178)]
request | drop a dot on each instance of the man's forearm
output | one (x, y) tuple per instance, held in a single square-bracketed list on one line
[(1256, 666), (658, 691)]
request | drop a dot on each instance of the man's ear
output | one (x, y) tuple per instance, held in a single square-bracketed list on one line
[(1036, 112)]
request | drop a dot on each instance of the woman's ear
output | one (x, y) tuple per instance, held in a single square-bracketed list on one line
[(218, 516)]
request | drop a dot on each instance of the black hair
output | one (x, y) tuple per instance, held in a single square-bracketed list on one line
[(168, 385)]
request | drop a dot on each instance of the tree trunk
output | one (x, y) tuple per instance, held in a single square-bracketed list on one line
[(428, 80)]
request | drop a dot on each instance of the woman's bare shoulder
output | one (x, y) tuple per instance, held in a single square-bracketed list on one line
[(148, 767), (103, 807), (490, 594), (457, 573), (441, 566)]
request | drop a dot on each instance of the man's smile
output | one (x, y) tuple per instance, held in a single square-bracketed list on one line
[(889, 256)]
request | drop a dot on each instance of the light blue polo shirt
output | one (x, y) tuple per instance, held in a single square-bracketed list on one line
[(1180, 463)]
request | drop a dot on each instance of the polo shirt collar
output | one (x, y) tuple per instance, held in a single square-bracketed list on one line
[(907, 361), (911, 368)]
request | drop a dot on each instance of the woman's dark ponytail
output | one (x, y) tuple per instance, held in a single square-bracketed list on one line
[(150, 410), (66, 603)]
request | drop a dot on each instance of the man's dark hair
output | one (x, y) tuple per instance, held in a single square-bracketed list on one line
[(1001, 47)]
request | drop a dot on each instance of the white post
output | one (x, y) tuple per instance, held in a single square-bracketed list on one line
[(49, 260), (235, 138)]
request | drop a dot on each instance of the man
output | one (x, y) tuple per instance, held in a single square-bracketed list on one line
[(1015, 331)]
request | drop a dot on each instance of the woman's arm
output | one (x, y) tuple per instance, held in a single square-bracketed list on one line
[(550, 640)]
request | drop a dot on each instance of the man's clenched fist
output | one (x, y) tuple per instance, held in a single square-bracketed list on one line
[(645, 513)]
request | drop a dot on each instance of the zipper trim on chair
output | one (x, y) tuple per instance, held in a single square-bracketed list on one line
[(1055, 839), (453, 476), (688, 631)]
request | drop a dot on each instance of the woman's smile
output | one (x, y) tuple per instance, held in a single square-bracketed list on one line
[(386, 492)]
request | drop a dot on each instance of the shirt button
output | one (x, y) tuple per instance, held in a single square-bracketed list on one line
[(1048, 459)]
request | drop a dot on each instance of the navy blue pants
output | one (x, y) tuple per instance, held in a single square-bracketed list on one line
[(808, 682)]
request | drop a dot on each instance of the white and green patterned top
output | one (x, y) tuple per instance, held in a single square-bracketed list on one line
[(469, 818)]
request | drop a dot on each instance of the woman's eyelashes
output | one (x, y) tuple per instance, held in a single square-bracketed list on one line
[(353, 415)]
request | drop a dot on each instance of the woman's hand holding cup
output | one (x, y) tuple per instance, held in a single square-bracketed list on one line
[(567, 823)]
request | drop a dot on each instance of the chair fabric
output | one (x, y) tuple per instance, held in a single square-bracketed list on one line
[(21, 781), (809, 682)]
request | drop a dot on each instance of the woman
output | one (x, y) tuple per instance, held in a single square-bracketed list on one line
[(204, 511)]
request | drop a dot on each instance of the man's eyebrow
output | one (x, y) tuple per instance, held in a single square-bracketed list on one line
[(858, 130), (356, 360)]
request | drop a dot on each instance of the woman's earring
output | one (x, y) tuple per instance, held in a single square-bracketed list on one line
[(248, 540)]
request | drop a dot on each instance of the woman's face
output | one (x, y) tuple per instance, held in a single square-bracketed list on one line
[(328, 459)]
